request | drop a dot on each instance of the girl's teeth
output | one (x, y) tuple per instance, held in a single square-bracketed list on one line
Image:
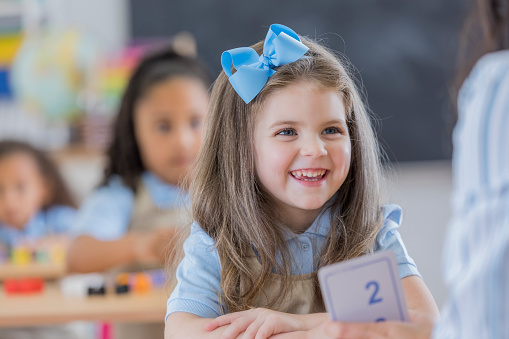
[(299, 174)]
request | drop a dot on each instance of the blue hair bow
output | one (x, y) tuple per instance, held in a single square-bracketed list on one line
[(282, 46)]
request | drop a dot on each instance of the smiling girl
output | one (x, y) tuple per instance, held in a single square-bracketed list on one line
[(288, 181)]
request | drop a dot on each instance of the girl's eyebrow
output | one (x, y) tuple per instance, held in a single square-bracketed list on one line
[(286, 122), (298, 123), (336, 121)]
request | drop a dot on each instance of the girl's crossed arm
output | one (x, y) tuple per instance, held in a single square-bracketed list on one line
[(263, 323), (189, 326)]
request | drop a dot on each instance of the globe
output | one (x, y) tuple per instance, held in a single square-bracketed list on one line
[(50, 72)]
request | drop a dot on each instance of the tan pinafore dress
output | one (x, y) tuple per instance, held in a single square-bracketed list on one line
[(147, 217), (302, 298)]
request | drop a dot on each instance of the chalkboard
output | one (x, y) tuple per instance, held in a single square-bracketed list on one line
[(404, 51)]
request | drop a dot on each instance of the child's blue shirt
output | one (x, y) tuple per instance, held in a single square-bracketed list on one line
[(199, 273), (106, 213), (53, 220)]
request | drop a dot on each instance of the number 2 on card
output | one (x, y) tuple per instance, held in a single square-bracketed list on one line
[(373, 299)]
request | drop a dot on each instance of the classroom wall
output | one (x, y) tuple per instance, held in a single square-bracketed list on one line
[(404, 53), (423, 190)]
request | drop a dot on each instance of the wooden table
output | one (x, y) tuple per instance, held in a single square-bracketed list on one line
[(32, 270), (51, 307)]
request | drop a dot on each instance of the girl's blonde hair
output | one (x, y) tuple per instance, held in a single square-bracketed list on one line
[(232, 208)]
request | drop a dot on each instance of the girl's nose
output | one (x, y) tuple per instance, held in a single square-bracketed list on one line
[(314, 147), (184, 137)]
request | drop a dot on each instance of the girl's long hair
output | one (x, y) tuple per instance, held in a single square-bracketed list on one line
[(59, 193), (232, 207), (123, 154)]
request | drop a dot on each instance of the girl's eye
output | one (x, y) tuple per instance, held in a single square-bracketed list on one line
[(195, 123), (288, 132), (163, 127), (20, 187), (331, 130)]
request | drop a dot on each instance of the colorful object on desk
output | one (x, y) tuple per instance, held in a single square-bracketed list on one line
[(57, 254), (41, 256), (21, 256), (122, 283), (96, 290), (82, 285), (47, 250), (23, 286), (157, 277), (141, 283)]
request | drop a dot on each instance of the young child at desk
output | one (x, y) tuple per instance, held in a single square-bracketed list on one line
[(140, 206), (34, 201), (288, 180), (34, 204)]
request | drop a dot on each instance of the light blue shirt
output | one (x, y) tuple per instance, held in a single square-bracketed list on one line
[(476, 252), (51, 221), (198, 275), (106, 213)]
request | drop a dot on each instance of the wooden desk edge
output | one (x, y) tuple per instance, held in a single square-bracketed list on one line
[(152, 317)]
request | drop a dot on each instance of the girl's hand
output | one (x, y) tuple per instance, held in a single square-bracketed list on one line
[(420, 328), (258, 323), (153, 247)]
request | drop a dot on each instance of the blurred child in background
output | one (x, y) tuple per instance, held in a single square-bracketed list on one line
[(140, 206), (34, 201), (35, 206)]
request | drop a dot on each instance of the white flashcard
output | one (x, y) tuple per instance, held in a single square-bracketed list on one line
[(364, 289)]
